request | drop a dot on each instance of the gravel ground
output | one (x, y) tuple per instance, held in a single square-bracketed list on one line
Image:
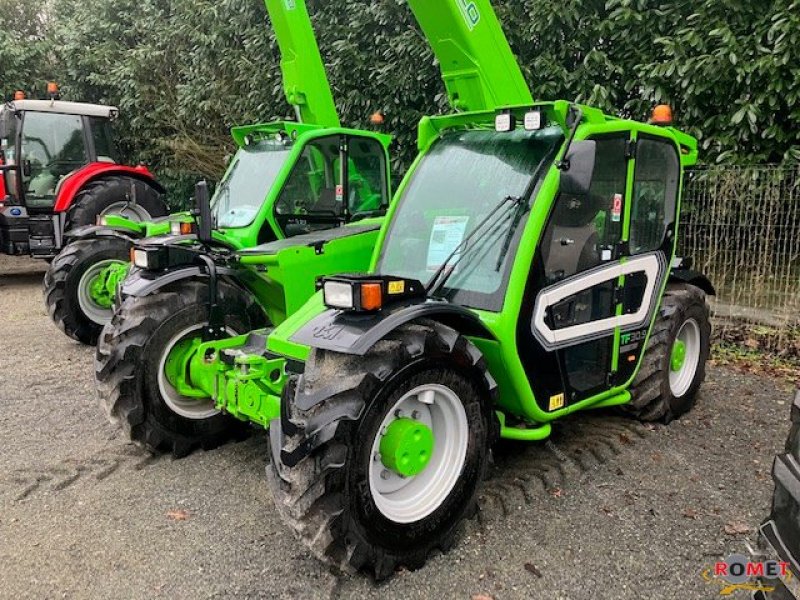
[(606, 509)]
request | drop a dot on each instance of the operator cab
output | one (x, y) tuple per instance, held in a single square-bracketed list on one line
[(48, 140), (42, 143)]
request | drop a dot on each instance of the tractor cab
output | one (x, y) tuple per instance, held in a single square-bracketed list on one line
[(44, 144), (45, 141)]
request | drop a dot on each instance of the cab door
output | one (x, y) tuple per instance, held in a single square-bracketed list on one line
[(600, 270), (567, 329)]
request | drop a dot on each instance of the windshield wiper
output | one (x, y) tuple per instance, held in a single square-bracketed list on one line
[(440, 277)]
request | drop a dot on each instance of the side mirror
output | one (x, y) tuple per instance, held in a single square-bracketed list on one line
[(203, 212), (578, 169)]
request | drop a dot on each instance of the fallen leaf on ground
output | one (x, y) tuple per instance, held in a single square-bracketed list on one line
[(556, 492), (482, 597), (737, 528), (178, 514), (531, 568), (625, 439), (690, 513)]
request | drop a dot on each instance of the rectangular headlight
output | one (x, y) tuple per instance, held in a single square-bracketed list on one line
[(338, 294), (140, 258)]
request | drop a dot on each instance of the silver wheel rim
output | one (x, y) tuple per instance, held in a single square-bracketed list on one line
[(185, 406), (410, 499), (134, 212), (681, 380), (93, 311)]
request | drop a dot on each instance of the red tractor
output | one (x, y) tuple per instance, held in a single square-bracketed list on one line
[(59, 169)]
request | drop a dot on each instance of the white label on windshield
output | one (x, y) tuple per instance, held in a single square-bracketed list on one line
[(446, 234)]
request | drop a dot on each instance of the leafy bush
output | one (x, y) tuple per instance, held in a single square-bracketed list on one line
[(184, 72)]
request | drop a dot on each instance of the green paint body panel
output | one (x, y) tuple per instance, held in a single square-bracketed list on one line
[(478, 68), (406, 447)]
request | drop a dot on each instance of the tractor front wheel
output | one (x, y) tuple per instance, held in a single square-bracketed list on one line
[(80, 285), (377, 460), (141, 362), (674, 363)]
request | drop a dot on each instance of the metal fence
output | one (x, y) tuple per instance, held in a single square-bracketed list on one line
[(741, 225)]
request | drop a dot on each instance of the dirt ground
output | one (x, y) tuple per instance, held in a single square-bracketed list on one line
[(606, 509)]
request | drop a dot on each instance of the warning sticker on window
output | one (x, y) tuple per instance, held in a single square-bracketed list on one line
[(446, 235), (616, 208)]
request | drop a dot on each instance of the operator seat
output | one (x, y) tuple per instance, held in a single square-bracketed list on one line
[(570, 244)]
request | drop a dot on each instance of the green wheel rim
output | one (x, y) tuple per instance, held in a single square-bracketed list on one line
[(678, 355), (97, 289), (407, 446)]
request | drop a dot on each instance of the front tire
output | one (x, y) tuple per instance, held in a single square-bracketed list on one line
[(130, 367), (67, 286), (674, 364), (352, 504)]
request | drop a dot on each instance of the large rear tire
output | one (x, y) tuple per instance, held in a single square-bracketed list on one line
[(674, 364), (67, 285), (131, 375), (342, 500), (114, 195)]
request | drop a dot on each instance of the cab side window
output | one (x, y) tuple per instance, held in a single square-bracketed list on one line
[(313, 196), (311, 187), (367, 176), (655, 193), (52, 147), (7, 149), (583, 231)]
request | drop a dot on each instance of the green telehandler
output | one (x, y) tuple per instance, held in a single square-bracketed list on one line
[(183, 293), (286, 179), (525, 271)]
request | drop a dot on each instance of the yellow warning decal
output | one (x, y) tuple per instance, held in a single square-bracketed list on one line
[(556, 402), (397, 287)]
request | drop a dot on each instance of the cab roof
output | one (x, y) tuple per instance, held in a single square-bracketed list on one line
[(67, 108)]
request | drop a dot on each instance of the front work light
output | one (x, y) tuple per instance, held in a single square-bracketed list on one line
[(367, 293), (180, 228), (533, 120), (505, 122), (338, 294), (139, 258)]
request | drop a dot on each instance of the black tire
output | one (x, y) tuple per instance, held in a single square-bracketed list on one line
[(325, 496), (62, 279), (652, 398), (128, 358), (99, 194)]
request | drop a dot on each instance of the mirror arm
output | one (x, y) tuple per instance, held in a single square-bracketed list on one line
[(562, 164)]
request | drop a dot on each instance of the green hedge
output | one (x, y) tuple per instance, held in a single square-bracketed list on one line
[(184, 71)]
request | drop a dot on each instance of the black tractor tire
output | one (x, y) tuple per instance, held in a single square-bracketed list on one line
[(652, 397), (335, 409), (128, 362), (96, 196), (62, 280)]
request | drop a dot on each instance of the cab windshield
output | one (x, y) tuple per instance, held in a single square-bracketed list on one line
[(244, 188), (459, 182)]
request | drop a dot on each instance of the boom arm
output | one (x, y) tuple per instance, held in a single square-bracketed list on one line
[(479, 70), (305, 82)]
